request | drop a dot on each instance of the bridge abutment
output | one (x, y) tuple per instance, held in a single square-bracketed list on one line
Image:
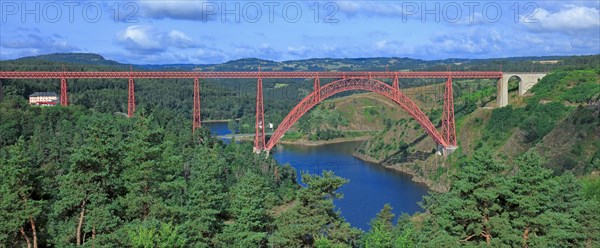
[(527, 81)]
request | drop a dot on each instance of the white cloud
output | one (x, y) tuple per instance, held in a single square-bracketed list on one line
[(393, 48), (572, 19), (147, 39), (381, 44), (180, 39), (141, 39), (388, 48)]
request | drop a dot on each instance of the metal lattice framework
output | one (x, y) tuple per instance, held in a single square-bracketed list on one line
[(64, 101), (196, 123), (348, 84), (448, 128), (131, 98), (259, 137), (349, 81)]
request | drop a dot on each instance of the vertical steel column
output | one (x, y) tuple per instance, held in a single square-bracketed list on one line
[(448, 127), (259, 138), (396, 86), (131, 98), (317, 88), (196, 118), (64, 101)]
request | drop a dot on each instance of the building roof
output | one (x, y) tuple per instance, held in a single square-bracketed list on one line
[(43, 94)]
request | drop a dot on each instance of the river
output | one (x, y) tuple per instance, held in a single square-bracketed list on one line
[(370, 187)]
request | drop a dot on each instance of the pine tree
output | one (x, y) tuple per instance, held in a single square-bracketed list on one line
[(142, 173), (543, 206), (87, 192), (314, 216), (206, 194), (249, 199), (19, 208), (491, 205), (472, 211), (380, 234), (153, 233), (403, 232)]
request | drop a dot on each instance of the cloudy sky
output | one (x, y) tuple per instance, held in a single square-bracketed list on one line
[(161, 32)]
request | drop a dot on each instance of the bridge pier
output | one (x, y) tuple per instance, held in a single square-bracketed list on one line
[(396, 86), (258, 151), (449, 150), (448, 126), (317, 88), (64, 100), (1, 91), (445, 151), (502, 92), (196, 121), (131, 99), (259, 138)]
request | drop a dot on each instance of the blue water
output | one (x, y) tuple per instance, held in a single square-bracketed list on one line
[(370, 187), (217, 128)]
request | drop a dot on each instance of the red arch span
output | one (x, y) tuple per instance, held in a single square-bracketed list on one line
[(347, 84)]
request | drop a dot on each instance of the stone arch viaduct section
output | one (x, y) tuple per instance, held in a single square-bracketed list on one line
[(527, 80)]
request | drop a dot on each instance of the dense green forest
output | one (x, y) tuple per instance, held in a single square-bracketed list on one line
[(73, 176), (87, 175)]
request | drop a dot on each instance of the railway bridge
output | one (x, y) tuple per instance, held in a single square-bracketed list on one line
[(342, 81)]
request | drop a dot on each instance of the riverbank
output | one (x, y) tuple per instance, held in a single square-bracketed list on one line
[(218, 121), (305, 142), (416, 177), (431, 185)]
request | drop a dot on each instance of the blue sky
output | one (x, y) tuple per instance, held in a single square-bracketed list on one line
[(165, 32)]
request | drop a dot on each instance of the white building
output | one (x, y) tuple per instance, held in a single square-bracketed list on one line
[(43, 98)]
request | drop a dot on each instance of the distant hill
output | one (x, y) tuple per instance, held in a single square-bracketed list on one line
[(320, 64), (73, 58)]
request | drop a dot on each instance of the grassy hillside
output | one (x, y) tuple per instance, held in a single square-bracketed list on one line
[(355, 115)]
